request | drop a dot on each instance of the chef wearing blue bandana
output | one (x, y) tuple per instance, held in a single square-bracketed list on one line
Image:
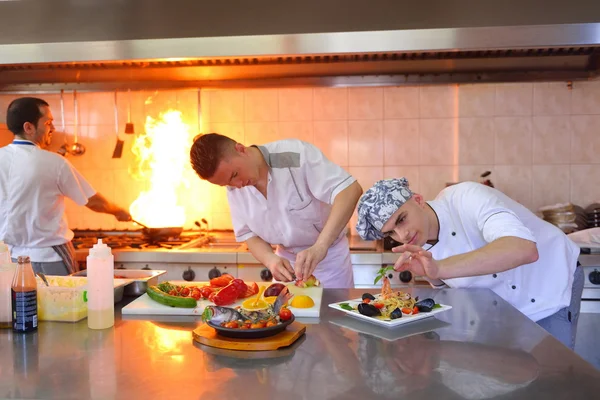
[(474, 236)]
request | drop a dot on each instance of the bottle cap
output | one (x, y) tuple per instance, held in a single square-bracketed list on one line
[(100, 250), (23, 259)]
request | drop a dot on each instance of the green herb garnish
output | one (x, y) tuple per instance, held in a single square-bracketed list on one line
[(382, 272), (436, 305), (346, 307)]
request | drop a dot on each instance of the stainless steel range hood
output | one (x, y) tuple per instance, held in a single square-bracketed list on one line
[(186, 43)]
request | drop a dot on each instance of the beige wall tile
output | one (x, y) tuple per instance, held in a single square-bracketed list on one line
[(476, 100), (5, 100), (261, 132), (514, 99), (54, 101), (551, 185), (585, 184), (515, 182), (585, 98), (96, 108), (366, 176), (221, 221), (365, 145), (433, 179), (227, 106), (302, 130), (296, 104), (365, 103), (551, 98), (234, 130), (551, 140), (261, 105), (438, 141), (401, 142), (158, 102), (401, 102), (476, 141), (513, 144), (410, 172), (438, 101), (330, 104), (187, 103), (585, 142), (473, 173), (331, 137)]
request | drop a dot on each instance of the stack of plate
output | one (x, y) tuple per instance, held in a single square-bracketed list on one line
[(592, 213), (568, 217)]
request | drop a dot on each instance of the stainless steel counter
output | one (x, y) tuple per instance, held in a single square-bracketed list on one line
[(482, 348)]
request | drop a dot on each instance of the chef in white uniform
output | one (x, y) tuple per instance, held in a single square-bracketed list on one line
[(474, 236), (284, 193)]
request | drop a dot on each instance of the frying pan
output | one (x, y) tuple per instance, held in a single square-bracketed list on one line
[(156, 234)]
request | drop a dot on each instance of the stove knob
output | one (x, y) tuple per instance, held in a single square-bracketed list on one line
[(266, 275), (405, 276), (595, 277), (214, 273), (390, 276), (120, 266), (189, 275), (146, 267)]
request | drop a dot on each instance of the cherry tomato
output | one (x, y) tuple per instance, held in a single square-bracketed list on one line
[(195, 294), (378, 305), (407, 310), (173, 292), (206, 292), (367, 300), (185, 292), (232, 324), (271, 323), (285, 314), (415, 310)]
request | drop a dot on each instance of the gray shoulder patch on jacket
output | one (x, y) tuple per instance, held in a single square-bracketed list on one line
[(285, 160)]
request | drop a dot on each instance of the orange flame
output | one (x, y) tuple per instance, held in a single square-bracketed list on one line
[(162, 153)]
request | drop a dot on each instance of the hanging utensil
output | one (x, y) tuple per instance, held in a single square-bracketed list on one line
[(64, 149), (118, 151), (41, 275), (129, 129), (77, 148)]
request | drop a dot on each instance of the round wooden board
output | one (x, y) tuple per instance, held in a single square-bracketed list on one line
[(208, 336)]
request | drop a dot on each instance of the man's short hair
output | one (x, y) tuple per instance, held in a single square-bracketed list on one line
[(21, 110), (208, 151)]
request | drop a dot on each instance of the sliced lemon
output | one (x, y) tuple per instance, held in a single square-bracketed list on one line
[(252, 304), (302, 301)]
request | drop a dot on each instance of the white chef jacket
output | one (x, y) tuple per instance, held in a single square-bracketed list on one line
[(302, 185), (472, 215), (33, 187)]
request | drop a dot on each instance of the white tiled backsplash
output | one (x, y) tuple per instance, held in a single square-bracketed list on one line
[(540, 140)]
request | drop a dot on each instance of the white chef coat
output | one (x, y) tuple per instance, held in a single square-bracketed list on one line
[(302, 185), (33, 187), (472, 215)]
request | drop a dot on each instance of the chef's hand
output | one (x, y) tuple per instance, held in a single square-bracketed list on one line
[(280, 268), (122, 215), (417, 261), (307, 261)]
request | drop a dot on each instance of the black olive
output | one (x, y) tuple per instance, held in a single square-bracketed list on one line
[(368, 296), (425, 305), (397, 313), (368, 310)]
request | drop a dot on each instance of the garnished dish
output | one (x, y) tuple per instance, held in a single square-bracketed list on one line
[(390, 307), (255, 318)]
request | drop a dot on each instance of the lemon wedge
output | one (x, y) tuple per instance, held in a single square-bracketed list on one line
[(270, 299), (253, 305), (302, 301)]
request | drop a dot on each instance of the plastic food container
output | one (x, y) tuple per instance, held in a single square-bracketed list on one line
[(66, 297), (64, 300), (140, 278)]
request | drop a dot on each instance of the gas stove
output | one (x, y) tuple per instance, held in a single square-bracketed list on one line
[(136, 240)]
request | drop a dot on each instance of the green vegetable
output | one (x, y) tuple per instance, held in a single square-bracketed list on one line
[(382, 272), (436, 305), (158, 295), (346, 306)]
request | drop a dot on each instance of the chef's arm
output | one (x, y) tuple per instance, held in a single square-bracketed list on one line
[(341, 212), (502, 254), (99, 203), (260, 249)]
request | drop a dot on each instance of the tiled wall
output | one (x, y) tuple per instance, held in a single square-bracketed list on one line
[(539, 140)]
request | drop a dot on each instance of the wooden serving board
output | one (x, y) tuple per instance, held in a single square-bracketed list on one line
[(208, 336), (144, 305)]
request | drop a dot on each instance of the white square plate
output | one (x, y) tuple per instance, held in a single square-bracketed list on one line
[(389, 323)]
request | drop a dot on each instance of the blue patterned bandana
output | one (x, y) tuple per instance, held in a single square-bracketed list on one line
[(378, 204)]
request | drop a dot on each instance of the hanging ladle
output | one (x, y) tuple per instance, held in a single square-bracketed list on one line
[(77, 148), (64, 149)]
